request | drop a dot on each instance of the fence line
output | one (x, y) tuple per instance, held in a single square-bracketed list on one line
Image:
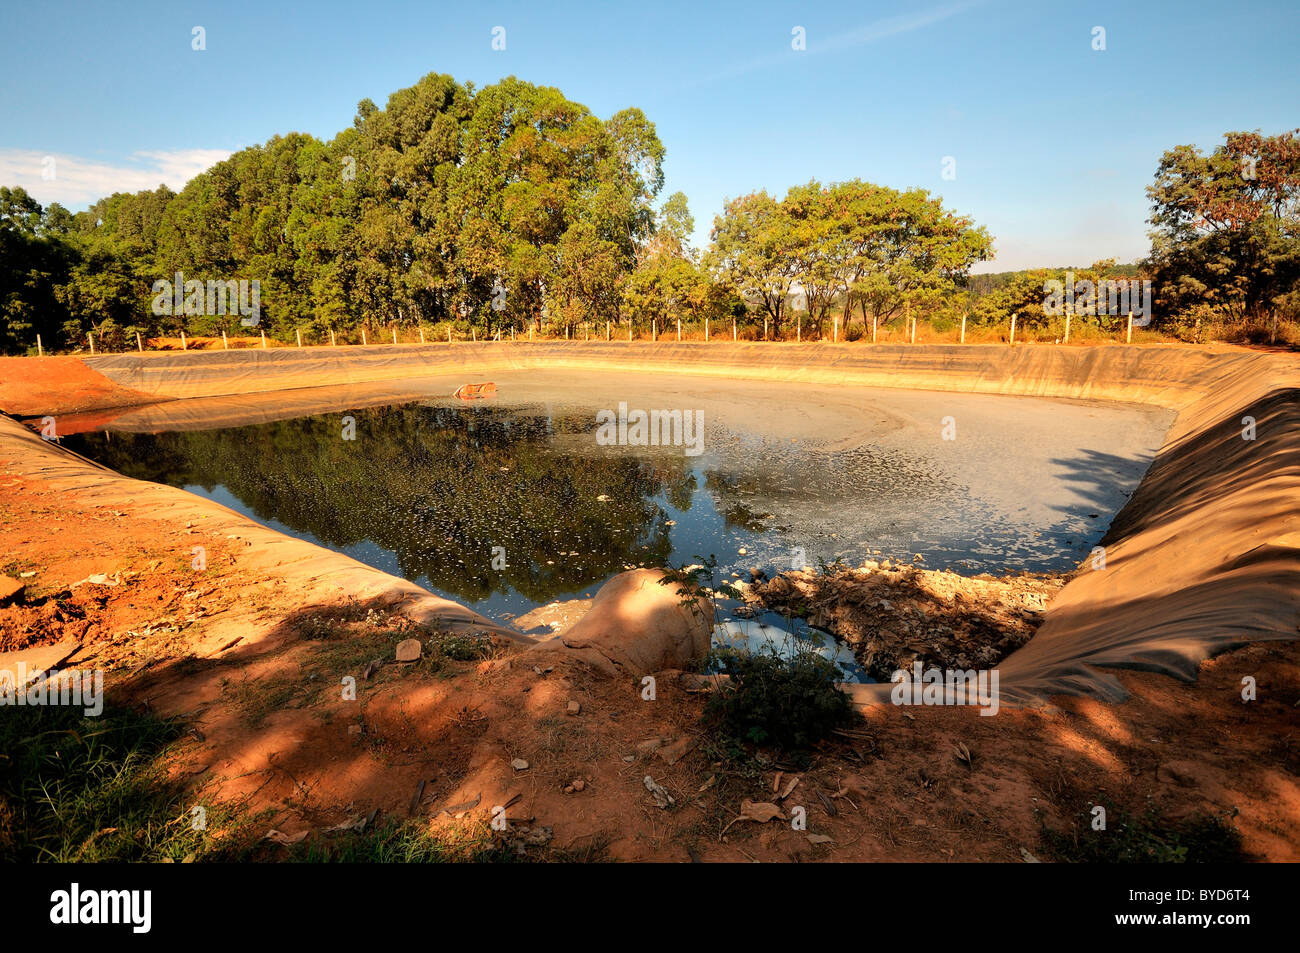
[(908, 333)]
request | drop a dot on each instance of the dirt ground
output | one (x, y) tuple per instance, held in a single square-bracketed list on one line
[(259, 676), (25, 384)]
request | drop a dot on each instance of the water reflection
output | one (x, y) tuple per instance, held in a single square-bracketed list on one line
[(429, 490)]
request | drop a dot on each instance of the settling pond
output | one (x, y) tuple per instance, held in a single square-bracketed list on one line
[(788, 472)]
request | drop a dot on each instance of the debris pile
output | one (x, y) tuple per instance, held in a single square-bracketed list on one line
[(891, 616)]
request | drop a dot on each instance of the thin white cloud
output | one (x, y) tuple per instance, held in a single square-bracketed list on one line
[(892, 26), (870, 33), (76, 182)]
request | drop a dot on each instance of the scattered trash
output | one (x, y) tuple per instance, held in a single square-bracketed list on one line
[(357, 823), (286, 840), (661, 795), (475, 391), (99, 579)]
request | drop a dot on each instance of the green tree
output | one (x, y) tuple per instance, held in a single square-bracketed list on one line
[(1226, 226)]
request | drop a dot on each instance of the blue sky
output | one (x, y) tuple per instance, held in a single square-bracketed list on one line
[(1053, 142)]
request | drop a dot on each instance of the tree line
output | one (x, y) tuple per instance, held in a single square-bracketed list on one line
[(511, 207)]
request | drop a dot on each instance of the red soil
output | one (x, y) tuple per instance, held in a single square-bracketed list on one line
[(28, 383), (273, 736)]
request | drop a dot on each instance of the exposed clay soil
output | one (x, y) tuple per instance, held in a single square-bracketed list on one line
[(25, 386), (257, 674), (892, 616)]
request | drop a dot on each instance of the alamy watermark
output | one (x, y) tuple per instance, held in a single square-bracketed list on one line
[(1111, 296), (194, 297), (131, 908), (71, 688), (936, 686), (651, 428)]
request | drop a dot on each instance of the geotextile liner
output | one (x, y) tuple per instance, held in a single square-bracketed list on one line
[(1205, 556)]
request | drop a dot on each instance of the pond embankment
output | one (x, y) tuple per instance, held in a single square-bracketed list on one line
[(1205, 556)]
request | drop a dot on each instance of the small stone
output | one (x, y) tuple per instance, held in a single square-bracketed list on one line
[(408, 650), (662, 798), (354, 729), (11, 590), (1182, 773), (677, 750), (574, 708), (578, 784), (519, 764), (629, 758)]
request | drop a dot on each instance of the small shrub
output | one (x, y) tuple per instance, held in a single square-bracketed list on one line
[(459, 647), (1147, 839), (97, 789), (787, 702)]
